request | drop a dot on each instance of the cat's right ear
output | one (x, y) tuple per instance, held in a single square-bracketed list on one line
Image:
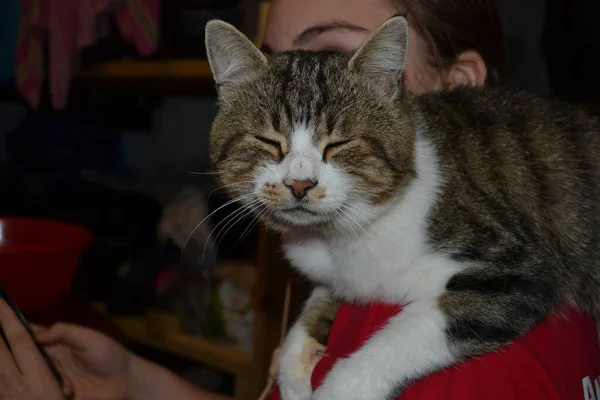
[(382, 58), (233, 58)]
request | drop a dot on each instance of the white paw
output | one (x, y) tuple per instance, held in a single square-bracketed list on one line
[(349, 380), (295, 390), (299, 356)]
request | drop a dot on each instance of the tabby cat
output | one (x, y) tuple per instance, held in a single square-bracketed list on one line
[(475, 208)]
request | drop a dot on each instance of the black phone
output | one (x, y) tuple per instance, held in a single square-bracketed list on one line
[(4, 295)]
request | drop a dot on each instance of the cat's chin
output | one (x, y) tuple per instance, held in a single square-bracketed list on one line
[(286, 221)]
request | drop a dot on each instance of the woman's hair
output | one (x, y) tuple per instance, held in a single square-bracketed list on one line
[(451, 27)]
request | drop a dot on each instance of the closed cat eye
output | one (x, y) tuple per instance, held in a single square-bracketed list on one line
[(327, 152), (271, 143)]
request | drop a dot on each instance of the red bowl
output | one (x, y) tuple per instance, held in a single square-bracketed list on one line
[(38, 260)]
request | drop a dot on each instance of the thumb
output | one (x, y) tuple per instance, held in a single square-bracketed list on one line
[(37, 329)]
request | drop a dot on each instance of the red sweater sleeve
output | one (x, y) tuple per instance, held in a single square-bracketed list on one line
[(558, 359)]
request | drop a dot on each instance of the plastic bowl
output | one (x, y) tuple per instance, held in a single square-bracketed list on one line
[(38, 260)]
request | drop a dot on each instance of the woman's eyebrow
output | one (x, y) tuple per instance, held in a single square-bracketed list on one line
[(310, 33)]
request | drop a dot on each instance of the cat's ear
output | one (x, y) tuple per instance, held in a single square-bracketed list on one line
[(233, 58), (382, 57)]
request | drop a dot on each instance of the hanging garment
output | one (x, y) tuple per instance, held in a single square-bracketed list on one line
[(68, 26)]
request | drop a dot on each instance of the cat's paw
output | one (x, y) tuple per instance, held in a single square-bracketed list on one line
[(294, 390), (298, 359), (349, 380)]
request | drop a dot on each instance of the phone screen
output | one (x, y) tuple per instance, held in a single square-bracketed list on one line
[(4, 295)]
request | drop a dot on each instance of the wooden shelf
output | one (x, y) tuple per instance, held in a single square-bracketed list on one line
[(163, 69), (226, 357), (181, 75)]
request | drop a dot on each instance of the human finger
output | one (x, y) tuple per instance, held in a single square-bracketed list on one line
[(23, 349), (38, 329), (68, 388), (8, 368)]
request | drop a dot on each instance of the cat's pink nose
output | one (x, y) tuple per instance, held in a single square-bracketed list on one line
[(299, 188)]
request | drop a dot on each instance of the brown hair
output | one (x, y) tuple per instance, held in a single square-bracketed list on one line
[(451, 27)]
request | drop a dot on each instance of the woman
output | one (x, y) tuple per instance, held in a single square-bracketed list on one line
[(452, 43)]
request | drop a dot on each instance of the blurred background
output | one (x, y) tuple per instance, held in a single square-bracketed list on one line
[(104, 123)]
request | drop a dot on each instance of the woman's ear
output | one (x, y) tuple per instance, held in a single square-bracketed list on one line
[(468, 70)]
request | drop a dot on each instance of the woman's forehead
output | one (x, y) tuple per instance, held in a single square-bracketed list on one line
[(323, 24)]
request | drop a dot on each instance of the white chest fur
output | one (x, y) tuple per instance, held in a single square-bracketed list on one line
[(390, 260)]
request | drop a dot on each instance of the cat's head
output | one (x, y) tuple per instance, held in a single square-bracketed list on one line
[(312, 139)]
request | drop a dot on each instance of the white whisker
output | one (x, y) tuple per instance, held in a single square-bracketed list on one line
[(247, 211), (232, 217), (202, 173), (359, 212), (210, 215), (226, 186), (253, 223), (339, 215)]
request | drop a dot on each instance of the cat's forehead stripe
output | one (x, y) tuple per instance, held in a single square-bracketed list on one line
[(304, 79)]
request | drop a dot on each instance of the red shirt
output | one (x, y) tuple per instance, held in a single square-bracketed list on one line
[(558, 359)]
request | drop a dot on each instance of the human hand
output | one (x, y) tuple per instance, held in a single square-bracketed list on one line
[(93, 365), (24, 374)]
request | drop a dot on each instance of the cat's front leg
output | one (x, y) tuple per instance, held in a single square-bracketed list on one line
[(411, 345), (476, 314), (304, 346)]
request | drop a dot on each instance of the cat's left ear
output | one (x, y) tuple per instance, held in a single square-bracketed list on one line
[(233, 58), (382, 58)]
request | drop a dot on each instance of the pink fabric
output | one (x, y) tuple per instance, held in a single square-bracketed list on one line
[(67, 26)]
